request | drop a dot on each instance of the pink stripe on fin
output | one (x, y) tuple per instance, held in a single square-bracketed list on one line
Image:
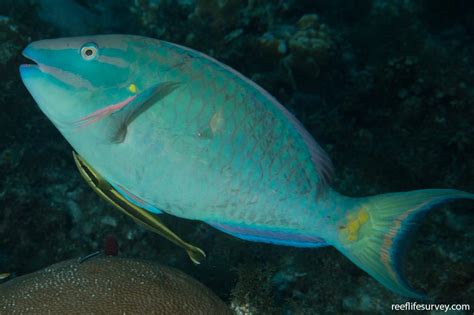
[(101, 113)]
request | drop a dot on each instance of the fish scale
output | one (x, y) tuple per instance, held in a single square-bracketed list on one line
[(177, 131), (229, 124), (246, 107)]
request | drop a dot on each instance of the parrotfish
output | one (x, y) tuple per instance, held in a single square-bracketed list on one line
[(161, 128)]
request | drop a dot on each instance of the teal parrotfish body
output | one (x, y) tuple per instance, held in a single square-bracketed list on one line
[(175, 131)]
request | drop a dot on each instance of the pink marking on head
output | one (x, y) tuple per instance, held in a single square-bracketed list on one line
[(101, 113)]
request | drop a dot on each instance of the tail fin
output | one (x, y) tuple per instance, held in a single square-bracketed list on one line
[(372, 233)]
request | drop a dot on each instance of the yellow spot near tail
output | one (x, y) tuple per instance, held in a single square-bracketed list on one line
[(350, 231), (363, 216), (132, 88)]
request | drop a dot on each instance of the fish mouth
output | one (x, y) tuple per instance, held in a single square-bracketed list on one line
[(32, 62), (30, 68), (33, 57), (37, 68)]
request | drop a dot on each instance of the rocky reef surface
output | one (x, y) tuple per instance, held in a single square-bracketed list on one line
[(385, 86)]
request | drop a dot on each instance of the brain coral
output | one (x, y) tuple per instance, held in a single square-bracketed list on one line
[(108, 285)]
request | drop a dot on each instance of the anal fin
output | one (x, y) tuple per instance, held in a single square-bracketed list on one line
[(271, 236)]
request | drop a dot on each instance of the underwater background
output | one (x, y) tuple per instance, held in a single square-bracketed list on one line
[(385, 86)]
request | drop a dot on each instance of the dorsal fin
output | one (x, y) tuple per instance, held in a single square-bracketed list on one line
[(321, 160)]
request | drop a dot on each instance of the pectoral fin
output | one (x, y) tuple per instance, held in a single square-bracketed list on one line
[(122, 114), (125, 116), (140, 215)]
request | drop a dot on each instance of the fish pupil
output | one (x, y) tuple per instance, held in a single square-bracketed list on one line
[(89, 52)]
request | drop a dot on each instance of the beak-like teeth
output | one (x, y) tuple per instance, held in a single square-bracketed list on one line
[(29, 53)]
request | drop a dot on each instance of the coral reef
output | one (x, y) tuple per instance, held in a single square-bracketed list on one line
[(385, 86), (310, 47), (108, 285)]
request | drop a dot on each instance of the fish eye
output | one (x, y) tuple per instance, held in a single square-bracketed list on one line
[(89, 51)]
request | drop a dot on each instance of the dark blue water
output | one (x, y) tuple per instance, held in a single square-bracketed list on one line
[(386, 87)]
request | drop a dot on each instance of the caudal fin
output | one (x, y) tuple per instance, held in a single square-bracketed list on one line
[(372, 233)]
